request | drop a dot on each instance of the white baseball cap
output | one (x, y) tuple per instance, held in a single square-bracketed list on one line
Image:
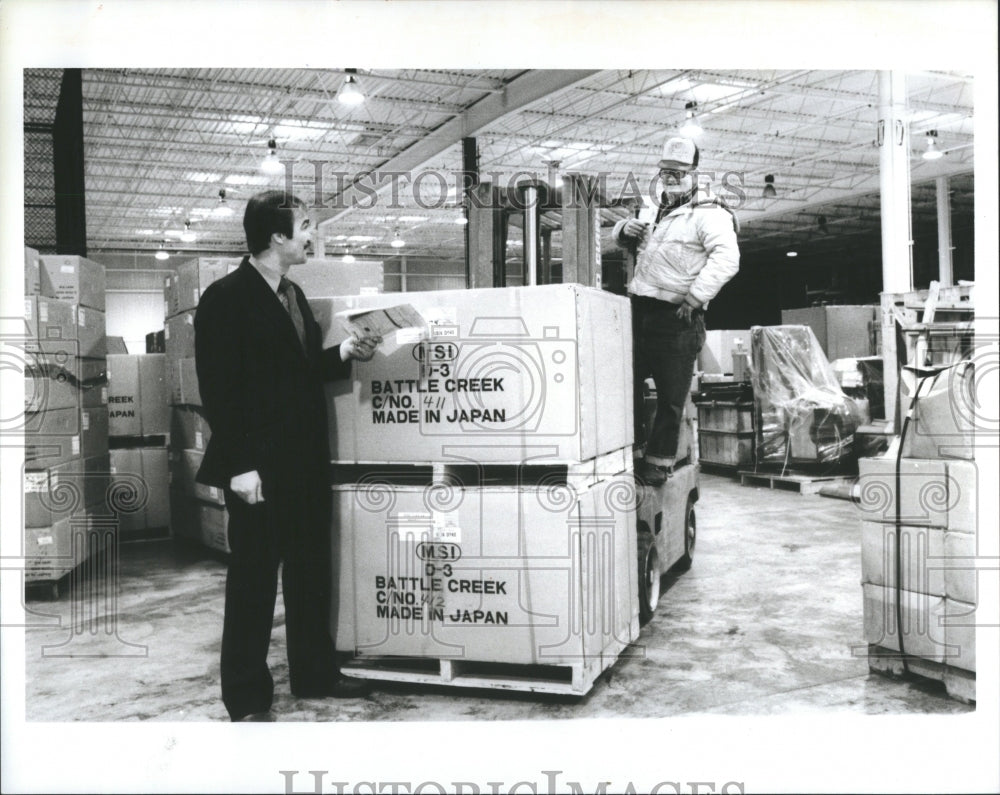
[(678, 153)]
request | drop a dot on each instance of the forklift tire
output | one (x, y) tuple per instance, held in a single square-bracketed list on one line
[(649, 577), (690, 536)]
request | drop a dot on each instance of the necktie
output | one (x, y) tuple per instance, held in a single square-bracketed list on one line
[(287, 295)]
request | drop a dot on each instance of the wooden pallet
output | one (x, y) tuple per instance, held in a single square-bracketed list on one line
[(959, 684), (790, 481), (571, 679), (714, 468)]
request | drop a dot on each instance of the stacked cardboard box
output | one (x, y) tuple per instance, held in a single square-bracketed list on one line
[(138, 422), (468, 456), (197, 511), (66, 419), (842, 331), (928, 506)]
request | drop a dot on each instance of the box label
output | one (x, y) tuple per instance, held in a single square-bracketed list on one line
[(67, 269), (35, 482), (44, 541)]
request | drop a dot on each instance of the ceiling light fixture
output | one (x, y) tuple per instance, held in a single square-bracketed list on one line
[(397, 241), (271, 164), (222, 209), (932, 152), (791, 253), (348, 257), (350, 92), (188, 235), (769, 191), (690, 128), (161, 253)]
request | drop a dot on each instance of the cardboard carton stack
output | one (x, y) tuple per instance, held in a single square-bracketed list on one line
[(138, 423), (498, 438), (66, 421), (928, 502), (196, 511)]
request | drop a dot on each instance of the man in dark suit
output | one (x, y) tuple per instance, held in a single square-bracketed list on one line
[(261, 368)]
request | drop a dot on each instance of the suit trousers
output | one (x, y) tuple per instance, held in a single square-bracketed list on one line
[(290, 529), (666, 348)]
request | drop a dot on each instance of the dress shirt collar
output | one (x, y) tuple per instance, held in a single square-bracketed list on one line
[(271, 276)]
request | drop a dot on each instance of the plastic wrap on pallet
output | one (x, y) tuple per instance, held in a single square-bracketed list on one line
[(805, 417)]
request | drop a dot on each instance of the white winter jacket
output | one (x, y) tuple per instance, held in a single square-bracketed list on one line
[(689, 254)]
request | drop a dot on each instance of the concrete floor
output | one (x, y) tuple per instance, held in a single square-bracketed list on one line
[(767, 621)]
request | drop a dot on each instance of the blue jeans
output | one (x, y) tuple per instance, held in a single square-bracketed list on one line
[(666, 348)]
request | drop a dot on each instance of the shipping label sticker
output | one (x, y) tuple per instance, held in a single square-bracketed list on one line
[(27, 308), (43, 312), (67, 269), (446, 527), (44, 541), (369, 291), (166, 308), (81, 318), (196, 294), (85, 420), (212, 490), (443, 321), (104, 394), (166, 332), (409, 336), (198, 440), (35, 482), (75, 444), (189, 319)]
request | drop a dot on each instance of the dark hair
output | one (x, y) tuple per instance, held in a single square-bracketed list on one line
[(268, 213)]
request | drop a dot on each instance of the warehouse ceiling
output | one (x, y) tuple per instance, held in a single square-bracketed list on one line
[(160, 144)]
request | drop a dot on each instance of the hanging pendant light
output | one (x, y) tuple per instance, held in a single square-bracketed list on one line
[(769, 191), (348, 257), (932, 152), (350, 91), (690, 128), (271, 165), (222, 209), (397, 241), (161, 253), (188, 235)]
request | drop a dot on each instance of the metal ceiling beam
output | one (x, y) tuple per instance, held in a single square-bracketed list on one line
[(524, 90)]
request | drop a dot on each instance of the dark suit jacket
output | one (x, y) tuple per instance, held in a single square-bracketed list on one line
[(261, 390)]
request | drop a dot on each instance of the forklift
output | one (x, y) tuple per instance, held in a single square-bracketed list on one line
[(665, 515)]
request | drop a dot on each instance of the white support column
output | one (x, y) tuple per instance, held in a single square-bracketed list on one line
[(946, 275), (530, 197), (893, 136)]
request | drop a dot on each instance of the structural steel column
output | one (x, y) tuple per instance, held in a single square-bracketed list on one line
[(67, 164), (946, 275)]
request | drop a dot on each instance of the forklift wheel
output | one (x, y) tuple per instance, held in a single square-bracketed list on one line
[(649, 580), (690, 536)]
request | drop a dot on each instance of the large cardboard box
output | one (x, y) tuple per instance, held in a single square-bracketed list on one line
[(178, 335), (842, 331), (143, 469), (137, 399), (320, 278), (189, 429), (91, 332), (32, 272), (960, 634), (182, 382), (920, 555), (524, 575), (53, 493), (184, 466), (56, 382), (93, 432), (944, 419), (716, 355), (922, 630), (50, 319), (77, 280), (934, 493), (960, 576), (213, 524), (507, 375), (183, 289), (51, 437)]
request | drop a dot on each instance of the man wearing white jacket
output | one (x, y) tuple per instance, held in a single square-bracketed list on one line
[(684, 258)]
